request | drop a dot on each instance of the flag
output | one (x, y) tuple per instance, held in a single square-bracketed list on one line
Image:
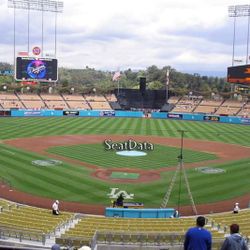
[(116, 76), (167, 77)]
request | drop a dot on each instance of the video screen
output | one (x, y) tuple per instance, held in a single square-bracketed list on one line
[(41, 69), (239, 74)]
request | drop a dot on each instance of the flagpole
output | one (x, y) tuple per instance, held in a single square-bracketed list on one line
[(116, 78), (118, 87), (167, 84)]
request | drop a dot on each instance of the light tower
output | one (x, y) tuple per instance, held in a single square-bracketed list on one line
[(239, 11), (38, 5)]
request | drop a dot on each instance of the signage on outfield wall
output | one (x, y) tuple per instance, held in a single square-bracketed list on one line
[(71, 113), (107, 113), (5, 113), (175, 116), (211, 118), (32, 113), (245, 120)]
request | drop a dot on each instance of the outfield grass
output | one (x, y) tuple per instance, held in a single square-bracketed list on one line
[(30, 126), (73, 183)]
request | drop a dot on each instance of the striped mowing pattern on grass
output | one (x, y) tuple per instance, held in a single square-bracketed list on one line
[(161, 156), (73, 183), (29, 127)]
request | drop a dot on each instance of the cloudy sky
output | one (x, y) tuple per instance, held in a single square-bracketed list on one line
[(193, 36)]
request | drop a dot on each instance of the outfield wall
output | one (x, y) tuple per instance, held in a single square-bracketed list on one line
[(201, 117), (76, 113), (139, 114)]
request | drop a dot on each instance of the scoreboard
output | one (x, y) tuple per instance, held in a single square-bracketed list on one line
[(239, 74), (40, 69)]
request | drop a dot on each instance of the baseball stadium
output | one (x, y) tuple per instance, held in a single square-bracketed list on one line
[(125, 168)]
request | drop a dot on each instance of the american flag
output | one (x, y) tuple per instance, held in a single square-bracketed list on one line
[(116, 76)]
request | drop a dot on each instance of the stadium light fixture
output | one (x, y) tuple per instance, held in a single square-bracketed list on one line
[(38, 5), (239, 11)]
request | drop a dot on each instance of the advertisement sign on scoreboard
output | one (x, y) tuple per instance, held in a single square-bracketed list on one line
[(41, 69)]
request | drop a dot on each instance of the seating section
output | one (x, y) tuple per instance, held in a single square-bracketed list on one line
[(230, 107), (56, 104), (5, 205), (111, 98), (36, 104), (8, 96), (31, 101), (100, 105), (97, 102), (31, 222), (38, 224), (226, 219), (78, 105), (10, 101), (227, 111), (233, 104), (11, 104), (127, 99), (245, 111), (186, 104), (54, 101), (29, 97), (95, 98), (76, 101), (51, 97), (213, 103), (173, 99), (73, 97), (87, 227), (208, 106), (205, 109)]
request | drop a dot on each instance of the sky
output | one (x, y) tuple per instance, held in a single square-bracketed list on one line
[(194, 36)]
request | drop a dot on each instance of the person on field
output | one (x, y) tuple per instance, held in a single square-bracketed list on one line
[(119, 200), (198, 238), (175, 214), (236, 208), (55, 208), (235, 241)]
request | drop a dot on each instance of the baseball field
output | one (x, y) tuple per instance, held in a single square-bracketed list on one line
[(80, 169)]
